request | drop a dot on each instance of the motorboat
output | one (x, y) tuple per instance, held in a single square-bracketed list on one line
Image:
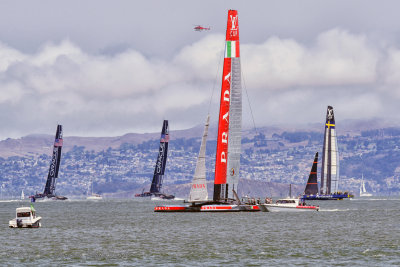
[(287, 204), (94, 196), (25, 218)]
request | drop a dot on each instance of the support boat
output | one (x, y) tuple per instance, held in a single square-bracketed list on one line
[(25, 218)]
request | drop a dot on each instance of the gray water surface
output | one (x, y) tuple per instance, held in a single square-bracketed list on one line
[(361, 232)]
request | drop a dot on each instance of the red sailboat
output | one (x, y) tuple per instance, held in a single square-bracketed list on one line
[(227, 160)]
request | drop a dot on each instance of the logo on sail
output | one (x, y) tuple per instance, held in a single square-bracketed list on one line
[(234, 30)]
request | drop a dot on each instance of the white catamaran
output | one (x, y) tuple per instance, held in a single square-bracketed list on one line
[(227, 160)]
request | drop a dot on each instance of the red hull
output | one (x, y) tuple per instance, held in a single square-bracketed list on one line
[(208, 208)]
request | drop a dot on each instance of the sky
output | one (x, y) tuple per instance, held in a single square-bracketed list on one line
[(106, 68)]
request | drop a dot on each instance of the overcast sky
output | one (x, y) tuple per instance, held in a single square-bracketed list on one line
[(106, 68)]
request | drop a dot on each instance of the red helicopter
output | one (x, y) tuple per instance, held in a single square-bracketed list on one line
[(199, 28)]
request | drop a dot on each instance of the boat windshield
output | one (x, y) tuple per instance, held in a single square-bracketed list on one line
[(285, 201), (24, 214)]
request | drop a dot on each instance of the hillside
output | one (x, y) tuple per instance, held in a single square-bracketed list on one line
[(272, 155)]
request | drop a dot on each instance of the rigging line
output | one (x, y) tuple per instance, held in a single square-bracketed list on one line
[(254, 125), (215, 80), (248, 100)]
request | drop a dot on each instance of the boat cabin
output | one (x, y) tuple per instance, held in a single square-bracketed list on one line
[(25, 212)]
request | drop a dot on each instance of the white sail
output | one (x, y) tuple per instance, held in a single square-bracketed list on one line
[(22, 195), (235, 128), (198, 190), (334, 163), (363, 191), (330, 156)]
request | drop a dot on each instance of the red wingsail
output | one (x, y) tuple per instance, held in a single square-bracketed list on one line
[(231, 50)]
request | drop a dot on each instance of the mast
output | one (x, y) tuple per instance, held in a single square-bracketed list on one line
[(158, 176), (227, 160), (330, 156), (198, 191), (312, 184), (55, 163)]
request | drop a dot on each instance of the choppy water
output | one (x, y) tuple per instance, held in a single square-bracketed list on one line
[(361, 232)]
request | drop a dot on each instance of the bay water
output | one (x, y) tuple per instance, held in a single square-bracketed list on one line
[(360, 232)]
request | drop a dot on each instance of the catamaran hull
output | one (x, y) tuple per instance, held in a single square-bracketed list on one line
[(327, 197), (208, 208), (157, 196), (276, 208), (47, 198), (94, 198), (365, 195)]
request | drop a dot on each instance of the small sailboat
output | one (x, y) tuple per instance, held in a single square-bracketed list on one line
[(228, 151), (50, 187), (363, 191), (22, 195), (158, 177), (93, 196), (25, 218)]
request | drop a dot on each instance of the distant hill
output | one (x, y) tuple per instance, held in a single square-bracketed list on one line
[(246, 187), (276, 156), (37, 144)]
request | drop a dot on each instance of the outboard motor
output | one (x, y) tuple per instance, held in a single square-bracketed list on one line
[(19, 223)]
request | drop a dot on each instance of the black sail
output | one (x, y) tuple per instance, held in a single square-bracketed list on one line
[(312, 184), (156, 184), (49, 189)]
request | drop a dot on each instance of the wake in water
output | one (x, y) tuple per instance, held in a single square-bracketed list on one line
[(161, 199), (375, 199), (335, 210), (12, 200)]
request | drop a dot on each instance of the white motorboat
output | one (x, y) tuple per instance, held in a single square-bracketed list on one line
[(287, 204), (25, 218)]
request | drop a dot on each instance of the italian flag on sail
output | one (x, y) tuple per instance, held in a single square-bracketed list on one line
[(232, 49)]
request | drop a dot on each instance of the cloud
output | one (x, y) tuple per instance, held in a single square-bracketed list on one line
[(336, 58), (287, 81)]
